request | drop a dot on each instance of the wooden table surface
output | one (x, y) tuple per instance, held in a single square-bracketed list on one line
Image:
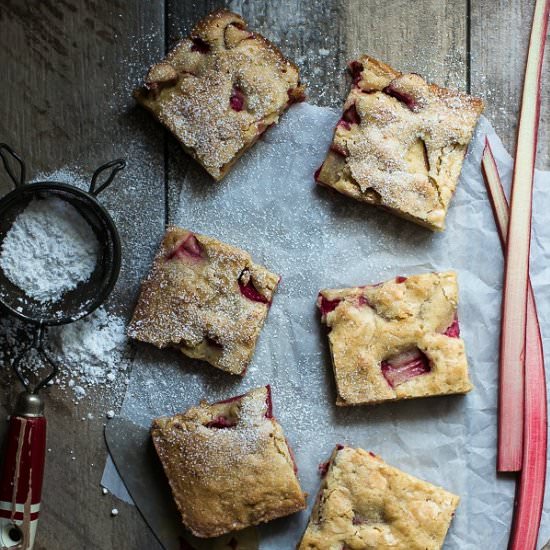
[(68, 70)]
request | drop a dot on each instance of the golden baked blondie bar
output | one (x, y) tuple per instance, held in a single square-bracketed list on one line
[(228, 464), (219, 89), (365, 504), (206, 298), (400, 143), (396, 340)]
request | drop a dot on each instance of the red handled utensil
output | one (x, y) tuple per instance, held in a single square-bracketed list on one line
[(22, 472)]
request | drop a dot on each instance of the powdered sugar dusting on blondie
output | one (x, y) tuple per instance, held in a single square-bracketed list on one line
[(211, 450), (404, 145), (192, 89), (196, 303)]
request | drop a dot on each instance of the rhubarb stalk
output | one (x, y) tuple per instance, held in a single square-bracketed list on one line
[(514, 303), (530, 491)]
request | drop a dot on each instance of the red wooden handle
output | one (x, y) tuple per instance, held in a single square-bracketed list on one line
[(21, 481)]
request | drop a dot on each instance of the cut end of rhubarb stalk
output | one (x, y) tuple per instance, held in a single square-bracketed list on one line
[(404, 367), (496, 193)]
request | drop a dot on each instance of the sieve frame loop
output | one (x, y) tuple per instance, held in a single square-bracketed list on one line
[(38, 345), (116, 165)]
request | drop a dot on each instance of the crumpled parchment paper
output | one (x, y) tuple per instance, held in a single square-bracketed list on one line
[(316, 238)]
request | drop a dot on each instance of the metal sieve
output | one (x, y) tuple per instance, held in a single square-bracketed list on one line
[(87, 296), (22, 470)]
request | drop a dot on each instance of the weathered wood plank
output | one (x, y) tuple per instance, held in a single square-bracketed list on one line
[(500, 35), (68, 69), (425, 36)]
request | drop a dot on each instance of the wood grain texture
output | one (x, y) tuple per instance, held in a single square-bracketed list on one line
[(68, 69), (425, 36), (499, 37)]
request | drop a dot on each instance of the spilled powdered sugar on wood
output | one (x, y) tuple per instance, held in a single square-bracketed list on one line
[(91, 353)]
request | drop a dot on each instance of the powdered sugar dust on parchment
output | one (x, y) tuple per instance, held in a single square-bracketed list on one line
[(270, 206)]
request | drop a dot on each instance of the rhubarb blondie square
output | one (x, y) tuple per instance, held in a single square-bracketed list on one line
[(396, 340), (400, 143), (228, 464), (219, 89), (205, 298), (365, 504)]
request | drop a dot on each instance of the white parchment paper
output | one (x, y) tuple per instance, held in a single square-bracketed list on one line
[(316, 238)]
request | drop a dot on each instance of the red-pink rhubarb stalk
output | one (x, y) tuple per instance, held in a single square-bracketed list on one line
[(514, 304), (530, 491)]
